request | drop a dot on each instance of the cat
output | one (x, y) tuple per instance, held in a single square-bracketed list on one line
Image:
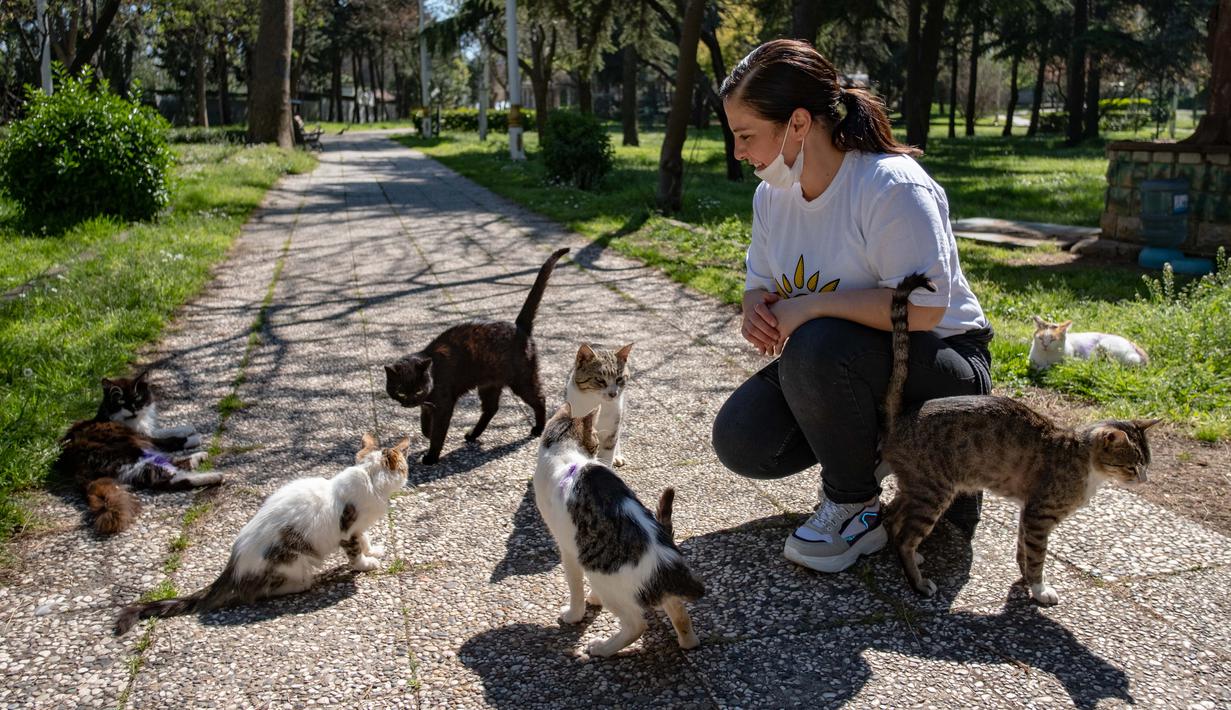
[(597, 382), (965, 444), (124, 446), (484, 355), (292, 534), (1053, 342), (604, 533)]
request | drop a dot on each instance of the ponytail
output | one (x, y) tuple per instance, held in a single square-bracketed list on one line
[(865, 127)]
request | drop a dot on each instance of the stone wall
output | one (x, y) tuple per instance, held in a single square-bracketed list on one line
[(1208, 170)]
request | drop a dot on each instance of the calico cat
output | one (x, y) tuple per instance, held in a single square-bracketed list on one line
[(965, 444), (124, 446), (606, 534), (296, 529), (597, 382), (483, 355), (1053, 342)]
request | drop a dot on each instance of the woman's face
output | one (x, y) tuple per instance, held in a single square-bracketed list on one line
[(758, 140)]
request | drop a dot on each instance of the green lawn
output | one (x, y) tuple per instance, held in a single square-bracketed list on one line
[(1035, 179), (121, 284)]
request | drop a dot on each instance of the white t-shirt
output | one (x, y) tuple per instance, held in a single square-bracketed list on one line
[(881, 219)]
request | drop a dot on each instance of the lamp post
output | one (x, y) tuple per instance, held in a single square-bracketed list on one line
[(425, 75), (510, 18), (44, 47)]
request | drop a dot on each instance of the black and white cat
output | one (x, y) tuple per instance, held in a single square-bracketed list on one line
[(606, 534), (296, 529)]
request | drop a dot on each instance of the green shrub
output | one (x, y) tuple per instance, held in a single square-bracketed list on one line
[(576, 149), (467, 119), (84, 152), (1056, 122), (217, 134)]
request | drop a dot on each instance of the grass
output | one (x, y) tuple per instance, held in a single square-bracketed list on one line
[(1033, 179), (119, 286)]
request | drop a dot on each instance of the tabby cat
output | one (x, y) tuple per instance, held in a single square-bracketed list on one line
[(483, 355), (597, 382), (296, 529), (123, 446), (956, 445), (605, 534)]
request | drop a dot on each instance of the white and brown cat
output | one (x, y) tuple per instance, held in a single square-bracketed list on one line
[(1053, 342), (606, 535)]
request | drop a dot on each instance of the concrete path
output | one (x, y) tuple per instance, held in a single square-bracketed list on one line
[(366, 259)]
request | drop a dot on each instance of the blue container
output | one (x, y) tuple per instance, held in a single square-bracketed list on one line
[(1164, 212)]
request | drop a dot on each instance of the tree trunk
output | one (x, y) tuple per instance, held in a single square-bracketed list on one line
[(224, 84), (357, 81), (380, 80), (335, 88), (1215, 125), (700, 103), (1008, 112), (670, 195), (735, 171), (199, 85), (90, 45), (585, 92), (923, 50), (1037, 102), (805, 19), (374, 83), (269, 96), (957, 36), (1075, 87), (976, 32), (1094, 75), (628, 100)]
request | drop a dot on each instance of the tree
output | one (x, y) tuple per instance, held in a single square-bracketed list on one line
[(1075, 71), (671, 160), (923, 51), (1215, 126), (269, 105), (976, 36)]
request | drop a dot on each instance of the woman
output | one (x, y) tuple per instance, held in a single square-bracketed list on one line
[(842, 214)]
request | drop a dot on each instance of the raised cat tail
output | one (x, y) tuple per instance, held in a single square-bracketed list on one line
[(113, 506), (525, 319), (221, 592), (899, 310), (663, 514)]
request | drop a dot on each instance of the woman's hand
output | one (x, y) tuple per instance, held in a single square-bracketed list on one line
[(791, 313), (760, 326)]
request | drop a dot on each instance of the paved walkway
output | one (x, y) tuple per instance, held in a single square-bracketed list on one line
[(367, 258)]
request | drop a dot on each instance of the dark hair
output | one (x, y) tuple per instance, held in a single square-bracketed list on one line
[(785, 74)]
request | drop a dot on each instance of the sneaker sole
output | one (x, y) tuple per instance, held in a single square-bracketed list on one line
[(869, 544)]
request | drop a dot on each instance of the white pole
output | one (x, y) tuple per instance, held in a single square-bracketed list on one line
[(45, 47), (425, 74), (484, 82), (515, 147)]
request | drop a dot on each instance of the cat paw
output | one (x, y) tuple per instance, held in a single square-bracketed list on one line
[(603, 649), (193, 441), (593, 599), (688, 640), (471, 436), (206, 479), (376, 551), (364, 563), (569, 615), (1044, 594), (196, 459), (429, 459), (926, 588), (618, 461)]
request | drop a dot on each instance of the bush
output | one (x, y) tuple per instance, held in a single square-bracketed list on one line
[(576, 149), (1057, 122), (467, 119), (84, 152), (1124, 114)]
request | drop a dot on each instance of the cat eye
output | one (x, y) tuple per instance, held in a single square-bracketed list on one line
[(620, 381), (602, 382)]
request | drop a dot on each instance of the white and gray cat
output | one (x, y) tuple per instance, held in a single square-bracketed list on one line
[(280, 550), (597, 382), (605, 534), (1053, 342)]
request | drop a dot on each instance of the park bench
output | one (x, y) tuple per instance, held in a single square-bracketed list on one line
[(303, 136)]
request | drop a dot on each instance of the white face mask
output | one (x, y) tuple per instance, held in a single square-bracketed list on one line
[(777, 174)]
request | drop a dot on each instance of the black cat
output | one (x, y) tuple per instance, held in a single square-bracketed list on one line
[(483, 355)]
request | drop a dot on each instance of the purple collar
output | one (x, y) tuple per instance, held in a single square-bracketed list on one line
[(568, 478)]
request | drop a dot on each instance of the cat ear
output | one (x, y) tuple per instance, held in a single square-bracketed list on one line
[(424, 365), (584, 354), (1144, 424), (565, 411), (1040, 323), (1064, 326), (369, 445), (391, 371), (1112, 435), (622, 353), (587, 422), (403, 445), (141, 377)]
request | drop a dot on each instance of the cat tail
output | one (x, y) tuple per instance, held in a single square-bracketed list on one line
[(898, 316), (221, 592), (525, 319), (663, 514), (113, 506)]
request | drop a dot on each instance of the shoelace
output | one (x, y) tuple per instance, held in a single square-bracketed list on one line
[(830, 514)]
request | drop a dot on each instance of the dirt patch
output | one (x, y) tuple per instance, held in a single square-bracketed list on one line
[(1188, 477)]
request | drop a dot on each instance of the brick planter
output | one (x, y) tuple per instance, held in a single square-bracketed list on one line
[(1208, 170)]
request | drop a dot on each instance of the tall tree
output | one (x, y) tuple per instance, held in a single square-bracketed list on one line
[(670, 195), (1075, 72), (976, 50), (628, 96), (1215, 126), (269, 105), (923, 51), (1094, 78)]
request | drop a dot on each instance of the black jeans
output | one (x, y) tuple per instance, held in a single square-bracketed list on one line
[(820, 403)]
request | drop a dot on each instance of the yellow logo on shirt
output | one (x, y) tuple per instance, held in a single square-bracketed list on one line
[(785, 290)]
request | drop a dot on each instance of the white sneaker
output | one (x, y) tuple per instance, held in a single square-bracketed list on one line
[(836, 536)]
